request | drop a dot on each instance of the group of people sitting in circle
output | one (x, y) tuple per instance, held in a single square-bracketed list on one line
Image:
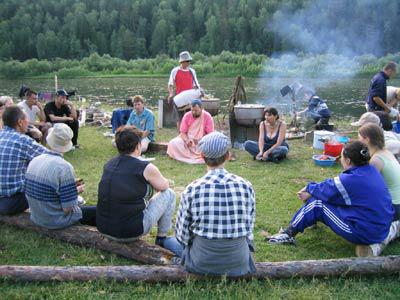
[(216, 214), (42, 117)]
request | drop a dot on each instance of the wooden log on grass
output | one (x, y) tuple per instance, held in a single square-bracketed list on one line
[(89, 236), (388, 265), (158, 147)]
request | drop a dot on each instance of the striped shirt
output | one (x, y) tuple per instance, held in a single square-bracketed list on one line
[(220, 205), (16, 151), (50, 187)]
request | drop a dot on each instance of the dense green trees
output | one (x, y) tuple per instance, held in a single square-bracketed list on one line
[(129, 29), (83, 37)]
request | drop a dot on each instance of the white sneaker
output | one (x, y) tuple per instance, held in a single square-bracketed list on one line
[(281, 238), (81, 201)]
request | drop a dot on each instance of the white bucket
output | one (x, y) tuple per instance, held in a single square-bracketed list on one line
[(320, 135)]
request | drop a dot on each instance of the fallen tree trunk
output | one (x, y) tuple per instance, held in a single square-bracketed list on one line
[(274, 270), (88, 236)]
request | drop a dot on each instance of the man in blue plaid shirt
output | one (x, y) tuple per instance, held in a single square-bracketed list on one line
[(216, 216), (16, 151)]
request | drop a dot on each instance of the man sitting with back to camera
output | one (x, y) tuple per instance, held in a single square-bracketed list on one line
[(143, 119), (216, 216), (51, 187), (16, 151), (62, 110)]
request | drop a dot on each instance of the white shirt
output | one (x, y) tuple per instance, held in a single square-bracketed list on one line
[(175, 70), (31, 112)]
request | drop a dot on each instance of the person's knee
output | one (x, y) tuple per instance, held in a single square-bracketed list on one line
[(170, 197), (248, 146), (170, 194)]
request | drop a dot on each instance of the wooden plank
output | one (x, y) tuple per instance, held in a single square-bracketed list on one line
[(89, 236), (158, 147)]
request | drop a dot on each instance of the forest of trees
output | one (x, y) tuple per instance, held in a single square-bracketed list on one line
[(131, 29)]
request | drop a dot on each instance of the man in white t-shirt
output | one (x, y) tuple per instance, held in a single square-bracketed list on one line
[(38, 126)]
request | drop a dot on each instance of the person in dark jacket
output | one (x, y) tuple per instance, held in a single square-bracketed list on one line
[(356, 205), (377, 93)]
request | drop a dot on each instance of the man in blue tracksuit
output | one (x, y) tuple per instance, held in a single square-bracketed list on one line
[(356, 204)]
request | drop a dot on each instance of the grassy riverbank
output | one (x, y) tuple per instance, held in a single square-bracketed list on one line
[(225, 64), (275, 187)]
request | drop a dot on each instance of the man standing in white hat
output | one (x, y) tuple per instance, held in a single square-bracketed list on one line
[(51, 188), (183, 78)]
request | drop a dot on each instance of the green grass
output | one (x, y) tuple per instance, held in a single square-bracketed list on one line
[(275, 187)]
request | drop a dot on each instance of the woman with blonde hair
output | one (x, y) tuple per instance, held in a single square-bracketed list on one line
[(372, 135)]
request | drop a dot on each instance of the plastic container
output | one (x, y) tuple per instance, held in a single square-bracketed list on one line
[(320, 137), (333, 149), (324, 160), (342, 139), (396, 126)]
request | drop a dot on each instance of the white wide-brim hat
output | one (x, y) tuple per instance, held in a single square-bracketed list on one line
[(59, 137), (185, 56)]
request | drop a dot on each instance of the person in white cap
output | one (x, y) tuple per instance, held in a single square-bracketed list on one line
[(183, 78), (368, 117), (216, 216), (382, 119), (51, 187)]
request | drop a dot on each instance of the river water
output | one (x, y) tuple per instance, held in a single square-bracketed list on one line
[(344, 97)]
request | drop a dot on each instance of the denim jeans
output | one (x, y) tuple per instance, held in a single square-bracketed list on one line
[(159, 211), (172, 244), (252, 147)]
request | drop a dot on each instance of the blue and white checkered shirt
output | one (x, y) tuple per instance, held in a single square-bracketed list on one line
[(16, 151), (220, 205)]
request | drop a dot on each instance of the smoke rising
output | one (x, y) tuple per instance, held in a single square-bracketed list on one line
[(326, 38)]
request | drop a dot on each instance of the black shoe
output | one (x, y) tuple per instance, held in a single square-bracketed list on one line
[(160, 241)]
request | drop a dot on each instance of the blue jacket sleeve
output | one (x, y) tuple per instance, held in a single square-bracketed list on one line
[(326, 191)]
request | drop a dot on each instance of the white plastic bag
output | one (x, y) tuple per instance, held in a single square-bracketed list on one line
[(393, 112), (186, 97)]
